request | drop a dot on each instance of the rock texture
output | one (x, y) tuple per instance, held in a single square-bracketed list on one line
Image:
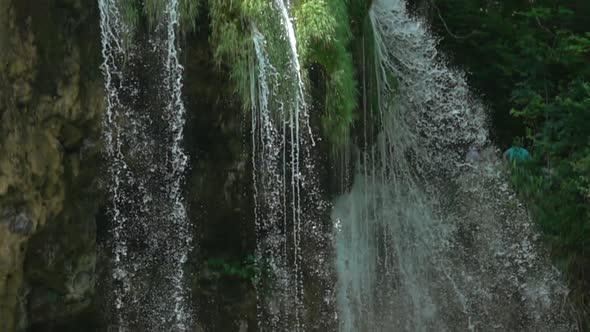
[(217, 140), (50, 105)]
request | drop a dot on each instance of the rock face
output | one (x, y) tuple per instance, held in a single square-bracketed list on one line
[(217, 140), (51, 100), (50, 104)]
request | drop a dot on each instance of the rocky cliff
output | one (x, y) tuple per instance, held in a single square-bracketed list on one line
[(50, 105)]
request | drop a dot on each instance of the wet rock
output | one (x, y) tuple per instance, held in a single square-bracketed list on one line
[(49, 104), (23, 91), (243, 326), (21, 224), (3, 185), (82, 282)]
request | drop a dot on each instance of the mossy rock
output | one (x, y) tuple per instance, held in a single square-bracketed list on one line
[(48, 110)]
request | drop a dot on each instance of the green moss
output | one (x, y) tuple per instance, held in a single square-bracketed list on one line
[(154, 10)]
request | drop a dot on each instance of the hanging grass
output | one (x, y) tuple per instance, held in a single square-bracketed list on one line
[(133, 12), (323, 34)]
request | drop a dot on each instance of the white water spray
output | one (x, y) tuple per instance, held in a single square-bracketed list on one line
[(112, 52), (179, 160), (282, 169), (425, 242), (269, 178), (151, 236)]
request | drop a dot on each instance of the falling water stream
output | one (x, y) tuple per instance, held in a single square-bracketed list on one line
[(181, 235), (270, 180), (144, 121), (425, 240), (283, 174), (113, 52)]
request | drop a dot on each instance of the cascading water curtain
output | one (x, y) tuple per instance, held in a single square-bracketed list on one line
[(285, 193), (143, 129), (426, 241)]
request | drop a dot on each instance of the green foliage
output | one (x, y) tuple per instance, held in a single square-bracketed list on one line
[(133, 12), (554, 102), (557, 181), (246, 270), (315, 25), (231, 41), (154, 10), (189, 9), (130, 13), (323, 35)]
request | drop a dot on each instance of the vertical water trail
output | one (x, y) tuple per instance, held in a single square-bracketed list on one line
[(269, 179), (112, 52), (290, 32), (265, 134), (143, 129), (425, 242), (179, 160), (282, 169), (303, 172), (295, 147)]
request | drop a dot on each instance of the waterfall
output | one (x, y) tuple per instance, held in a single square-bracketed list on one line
[(269, 144), (178, 217), (143, 129), (113, 52), (285, 189), (295, 143), (425, 240)]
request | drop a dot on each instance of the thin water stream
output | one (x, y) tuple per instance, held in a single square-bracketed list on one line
[(284, 176)]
